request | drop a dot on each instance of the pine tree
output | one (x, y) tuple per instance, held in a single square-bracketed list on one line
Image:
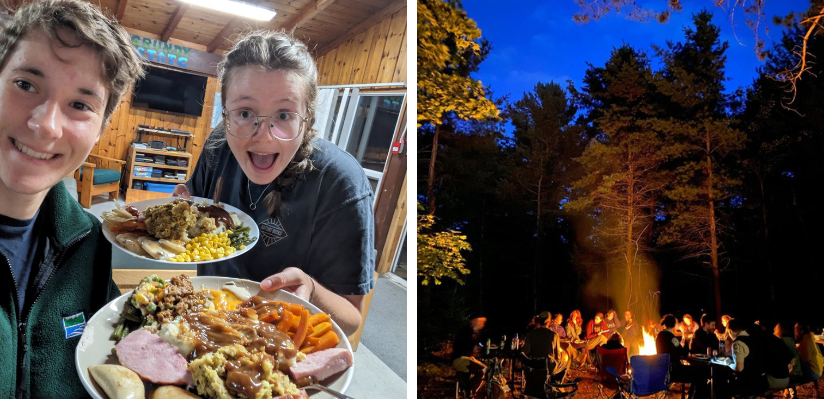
[(702, 145), (622, 181), (544, 143)]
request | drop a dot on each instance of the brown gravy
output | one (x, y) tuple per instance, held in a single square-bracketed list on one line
[(220, 215), (246, 379), (215, 329)]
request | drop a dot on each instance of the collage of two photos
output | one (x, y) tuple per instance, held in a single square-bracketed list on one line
[(204, 198), (619, 199)]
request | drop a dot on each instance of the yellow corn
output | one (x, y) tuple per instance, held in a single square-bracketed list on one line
[(206, 247)]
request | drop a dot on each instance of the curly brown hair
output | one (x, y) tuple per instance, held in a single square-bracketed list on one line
[(87, 25)]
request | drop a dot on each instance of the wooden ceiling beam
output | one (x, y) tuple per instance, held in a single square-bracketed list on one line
[(172, 25), (121, 9), (305, 14), (376, 18), (218, 39)]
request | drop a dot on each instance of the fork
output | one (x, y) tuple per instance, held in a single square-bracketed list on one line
[(328, 390)]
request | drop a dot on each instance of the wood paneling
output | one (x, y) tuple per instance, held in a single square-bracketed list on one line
[(377, 55), (127, 279), (122, 129), (319, 22)]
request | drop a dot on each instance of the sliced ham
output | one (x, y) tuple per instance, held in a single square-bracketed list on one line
[(323, 364), (153, 359)]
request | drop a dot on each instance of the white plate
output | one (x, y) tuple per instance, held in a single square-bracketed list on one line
[(95, 346), (143, 205)]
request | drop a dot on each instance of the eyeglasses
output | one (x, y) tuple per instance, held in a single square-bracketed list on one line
[(284, 125)]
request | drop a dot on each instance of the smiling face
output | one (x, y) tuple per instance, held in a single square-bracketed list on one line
[(52, 101), (263, 157)]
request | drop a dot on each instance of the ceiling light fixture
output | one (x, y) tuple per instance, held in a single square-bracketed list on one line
[(237, 8)]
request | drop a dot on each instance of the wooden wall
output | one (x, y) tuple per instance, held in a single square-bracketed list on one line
[(377, 55), (122, 128)]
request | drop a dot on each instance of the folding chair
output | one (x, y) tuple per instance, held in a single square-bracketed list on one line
[(650, 376), (616, 359)]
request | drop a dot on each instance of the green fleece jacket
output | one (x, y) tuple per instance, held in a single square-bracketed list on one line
[(71, 282)]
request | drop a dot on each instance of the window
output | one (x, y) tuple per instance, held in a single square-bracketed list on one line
[(371, 137), (362, 124)]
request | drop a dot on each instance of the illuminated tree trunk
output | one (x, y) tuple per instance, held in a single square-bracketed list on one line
[(628, 247), (430, 182), (716, 273)]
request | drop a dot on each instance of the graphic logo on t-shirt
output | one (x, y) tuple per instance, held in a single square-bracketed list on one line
[(272, 231), (74, 325)]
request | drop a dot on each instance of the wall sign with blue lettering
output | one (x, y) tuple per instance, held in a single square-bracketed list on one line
[(164, 53)]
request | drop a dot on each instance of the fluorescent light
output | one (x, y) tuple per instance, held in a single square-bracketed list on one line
[(237, 8)]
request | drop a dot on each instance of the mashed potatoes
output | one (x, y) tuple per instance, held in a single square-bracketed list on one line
[(211, 371), (172, 333)]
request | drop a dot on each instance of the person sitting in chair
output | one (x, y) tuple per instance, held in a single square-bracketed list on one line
[(747, 362), (544, 357), (667, 342), (704, 337), (470, 371)]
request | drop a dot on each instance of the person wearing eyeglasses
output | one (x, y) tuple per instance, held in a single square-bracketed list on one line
[(311, 200)]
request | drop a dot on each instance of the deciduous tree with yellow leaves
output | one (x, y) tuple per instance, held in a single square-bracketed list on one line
[(450, 47)]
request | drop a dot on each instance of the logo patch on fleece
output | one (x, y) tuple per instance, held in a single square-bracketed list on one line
[(74, 325)]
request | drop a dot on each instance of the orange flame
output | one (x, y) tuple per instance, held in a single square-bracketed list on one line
[(648, 346)]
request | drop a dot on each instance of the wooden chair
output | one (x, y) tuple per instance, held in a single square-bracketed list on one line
[(97, 176)]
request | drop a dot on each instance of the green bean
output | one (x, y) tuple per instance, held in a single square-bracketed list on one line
[(117, 330), (130, 317)]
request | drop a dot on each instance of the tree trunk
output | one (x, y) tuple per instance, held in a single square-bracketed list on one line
[(767, 243), (481, 259), (629, 253), (424, 299), (537, 243), (430, 181), (716, 273)]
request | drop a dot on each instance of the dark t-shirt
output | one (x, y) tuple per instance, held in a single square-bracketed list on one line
[(325, 227), (541, 342), (703, 340), (666, 342), (19, 244)]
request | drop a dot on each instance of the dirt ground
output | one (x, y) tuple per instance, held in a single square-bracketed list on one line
[(437, 381)]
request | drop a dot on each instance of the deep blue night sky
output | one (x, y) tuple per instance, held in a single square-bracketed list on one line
[(538, 40)]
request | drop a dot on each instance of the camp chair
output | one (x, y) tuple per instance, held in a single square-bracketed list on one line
[(650, 376), (98, 175), (616, 359), (548, 373)]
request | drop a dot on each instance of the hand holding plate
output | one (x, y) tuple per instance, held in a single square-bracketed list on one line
[(290, 279)]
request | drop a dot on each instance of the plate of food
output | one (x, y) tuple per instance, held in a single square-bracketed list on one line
[(174, 230), (210, 337)]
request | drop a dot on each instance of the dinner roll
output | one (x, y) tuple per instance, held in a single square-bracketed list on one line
[(118, 382), (172, 392)]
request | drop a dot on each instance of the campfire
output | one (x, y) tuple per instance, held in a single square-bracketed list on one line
[(647, 347)]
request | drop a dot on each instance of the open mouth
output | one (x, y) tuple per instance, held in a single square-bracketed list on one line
[(262, 161), (32, 153)]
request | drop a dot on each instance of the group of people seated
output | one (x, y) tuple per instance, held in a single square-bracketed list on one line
[(578, 341), (754, 359)]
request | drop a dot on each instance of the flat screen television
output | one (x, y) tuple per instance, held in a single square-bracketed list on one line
[(166, 90)]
